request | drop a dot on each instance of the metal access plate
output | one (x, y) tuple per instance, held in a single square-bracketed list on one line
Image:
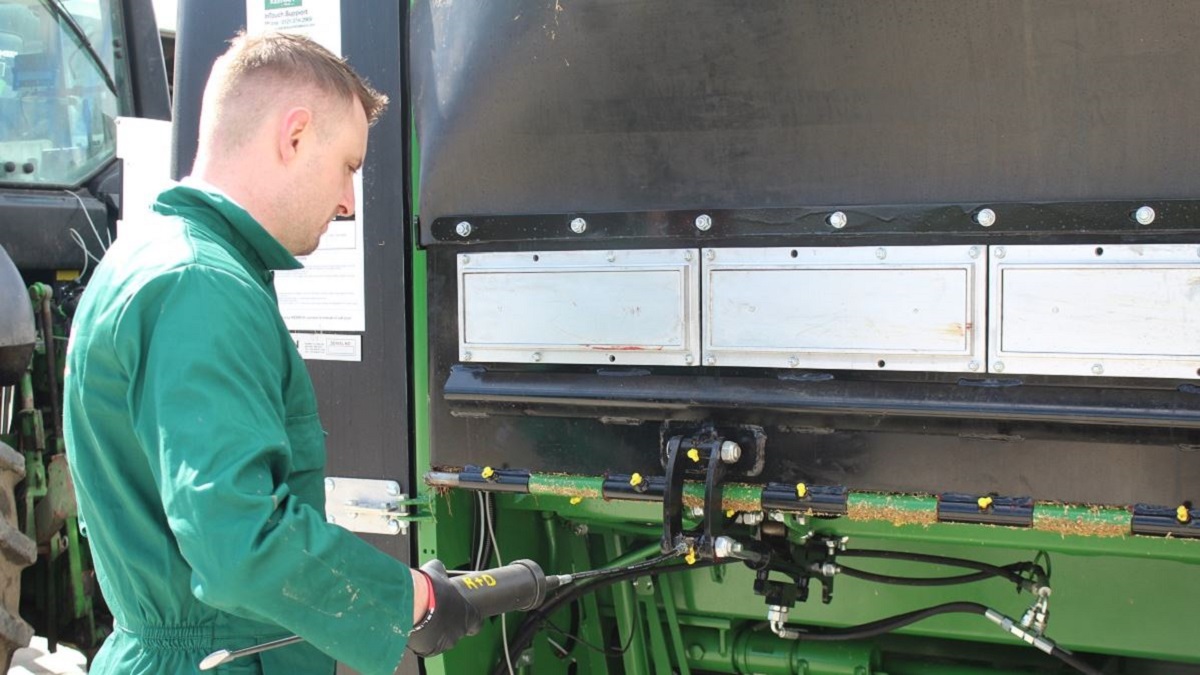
[(1110, 310), (593, 307), (366, 505), (876, 308)]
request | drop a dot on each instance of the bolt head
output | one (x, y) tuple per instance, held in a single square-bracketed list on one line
[(881, 253), (329, 485), (1144, 215), (330, 519), (722, 547), (1001, 252), (973, 252), (466, 259), (973, 365), (704, 222), (394, 526), (688, 358), (463, 229), (687, 255), (731, 452), (998, 366), (393, 489), (985, 217), (837, 220), (1097, 369), (611, 256), (710, 254), (710, 360), (536, 356), (579, 226), (466, 356), (793, 361)]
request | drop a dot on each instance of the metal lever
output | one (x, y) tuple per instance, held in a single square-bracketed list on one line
[(224, 656)]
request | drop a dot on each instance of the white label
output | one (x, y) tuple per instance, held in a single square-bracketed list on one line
[(320, 20), (328, 346)]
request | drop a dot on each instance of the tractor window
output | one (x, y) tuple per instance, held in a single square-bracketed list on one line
[(61, 71)]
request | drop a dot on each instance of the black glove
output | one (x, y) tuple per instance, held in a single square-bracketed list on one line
[(449, 617)]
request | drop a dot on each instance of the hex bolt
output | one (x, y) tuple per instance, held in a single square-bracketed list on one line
[(710, 360), (881, 253), (985, 217), (704, 222), (688, 358), (1001, 252), (579, 226), (973, 365), (1144, 215), (536, 356), (793, 361), (731, 452), (710, 254), (973, 252), (611, 256), (581, 529), (837, 220), (722, 547), (751, 518), (998, 366), (329, 485), (466, 356), (394, 527), (1097, 369), (696, 512), (463, 229)]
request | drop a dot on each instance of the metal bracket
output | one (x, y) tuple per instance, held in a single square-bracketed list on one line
[(366, 505)]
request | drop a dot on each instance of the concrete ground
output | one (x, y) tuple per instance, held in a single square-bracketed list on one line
[(37, 660)]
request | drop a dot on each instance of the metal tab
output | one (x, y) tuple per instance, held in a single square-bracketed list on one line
[(366, 505)]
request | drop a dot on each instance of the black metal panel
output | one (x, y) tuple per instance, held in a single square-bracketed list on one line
[(147, 72), (545, 107), (203, 29), (37, 225)]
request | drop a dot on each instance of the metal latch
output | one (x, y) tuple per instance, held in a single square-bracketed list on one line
[(366, 505)]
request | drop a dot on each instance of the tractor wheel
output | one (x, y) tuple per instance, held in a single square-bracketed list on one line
[(16, 553)]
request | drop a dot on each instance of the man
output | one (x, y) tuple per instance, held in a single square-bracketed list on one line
[(191, 423)]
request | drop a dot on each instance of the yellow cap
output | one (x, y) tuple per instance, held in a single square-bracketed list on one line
[(690, 558), (984, 502), (1182, 513), (694, 455), (576, 500), (487, 472), (801, 490), (635, 480), (729, 513)]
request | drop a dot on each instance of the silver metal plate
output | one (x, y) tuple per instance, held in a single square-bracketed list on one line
[(594, 307), (1109, 310), (366, 505), (892, 308)]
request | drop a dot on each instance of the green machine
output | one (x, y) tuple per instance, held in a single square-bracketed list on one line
[(809, 337)]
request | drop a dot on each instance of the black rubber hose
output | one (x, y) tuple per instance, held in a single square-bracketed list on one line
[(1007, 573), (533, 621), (891, 623), (635, 567), (934, 581), (1074, 661)]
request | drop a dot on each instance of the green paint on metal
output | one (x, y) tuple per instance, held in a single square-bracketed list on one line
[(628, 620), (672, 626), (572, 487)]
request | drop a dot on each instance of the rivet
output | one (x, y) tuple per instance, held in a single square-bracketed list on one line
[(710, 360), (536, 356), (463, 229), (837, 220), (393, 489), (1097, 369), (394, 526), (985, 217), (710, 254), (466, 260), (1144, 215), (579, 226), (793, 361), (973, 365), (466, 356), (687, 255), (973, 252), (1000, 252), (611, 256), (688, 358), (998, 366), (881, 253)]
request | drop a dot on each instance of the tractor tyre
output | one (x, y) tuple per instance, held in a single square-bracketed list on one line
[(17, 552)]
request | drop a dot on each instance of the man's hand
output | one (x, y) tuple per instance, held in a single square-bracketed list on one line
[(448, 618)]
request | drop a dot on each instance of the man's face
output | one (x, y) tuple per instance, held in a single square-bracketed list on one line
[(322, 186)]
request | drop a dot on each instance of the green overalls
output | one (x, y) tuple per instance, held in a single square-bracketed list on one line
[(199, 461)]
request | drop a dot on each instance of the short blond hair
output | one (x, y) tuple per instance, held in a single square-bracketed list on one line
[(255, 67)]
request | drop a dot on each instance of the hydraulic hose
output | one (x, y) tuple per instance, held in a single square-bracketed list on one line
[(937, 581), (1009, 572)]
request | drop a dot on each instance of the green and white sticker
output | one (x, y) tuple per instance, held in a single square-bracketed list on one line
[(320, 20)]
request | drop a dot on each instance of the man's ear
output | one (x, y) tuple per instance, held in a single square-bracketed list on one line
[(295, 126)]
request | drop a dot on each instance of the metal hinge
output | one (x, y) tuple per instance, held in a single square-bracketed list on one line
[(367, 505)]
